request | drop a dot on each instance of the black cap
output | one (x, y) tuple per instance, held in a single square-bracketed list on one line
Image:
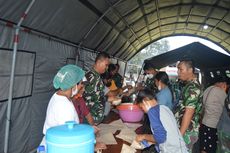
[(219, 79)]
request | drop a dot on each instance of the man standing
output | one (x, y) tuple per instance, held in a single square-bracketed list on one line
[(150, 72), (188, 112), (94, 91)]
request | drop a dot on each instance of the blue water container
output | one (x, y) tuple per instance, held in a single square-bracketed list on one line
[(70, 138)]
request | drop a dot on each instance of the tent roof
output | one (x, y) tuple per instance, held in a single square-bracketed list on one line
[(122, 27), (203, 57)]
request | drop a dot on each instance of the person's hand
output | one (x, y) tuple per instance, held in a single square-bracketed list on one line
[(139, 87), (100, 146), (116, 101), (147, 106), (140, 137), (129, 87), (96, 129), (125, 93), (131, 91)]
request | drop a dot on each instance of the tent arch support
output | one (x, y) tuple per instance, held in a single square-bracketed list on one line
[(16, 40)]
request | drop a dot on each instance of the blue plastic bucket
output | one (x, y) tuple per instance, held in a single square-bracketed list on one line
[(70, 138)]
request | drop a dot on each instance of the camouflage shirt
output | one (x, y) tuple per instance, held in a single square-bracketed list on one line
[(150, 83), (94, 95), (191, 93), (176, 90)]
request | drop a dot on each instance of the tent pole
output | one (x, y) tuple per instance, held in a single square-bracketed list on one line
[(139, 74), (125, 68), (8, 115)]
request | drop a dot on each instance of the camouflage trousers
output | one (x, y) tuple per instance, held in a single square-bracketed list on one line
[(190, 139), (223, 145)]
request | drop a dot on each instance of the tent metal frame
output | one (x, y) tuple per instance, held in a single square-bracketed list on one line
[(150, 25), (15, 48)]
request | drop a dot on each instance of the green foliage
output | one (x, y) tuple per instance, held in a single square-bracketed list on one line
[(151, 50)]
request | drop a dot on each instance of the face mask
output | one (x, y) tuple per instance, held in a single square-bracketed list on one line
[(159, 87), (150, 76), (74, 92)]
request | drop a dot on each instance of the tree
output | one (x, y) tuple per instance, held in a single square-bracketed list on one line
[(151, 50)]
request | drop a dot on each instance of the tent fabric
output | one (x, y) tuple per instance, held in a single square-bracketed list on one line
[(23, 73), (38, 60), (28, 113), (203, 57), (122, 27), (58, 32), (86, 59)]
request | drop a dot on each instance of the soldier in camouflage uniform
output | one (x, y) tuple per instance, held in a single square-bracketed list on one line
[(150, 83), (177, 91), (188, 112), (151, 72), (94, 91)]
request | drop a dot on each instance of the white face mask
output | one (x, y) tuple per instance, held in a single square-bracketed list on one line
[(74, 92), (149, 75), (159, 87)]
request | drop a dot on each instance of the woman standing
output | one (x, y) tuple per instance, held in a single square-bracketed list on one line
[(68, 81), (164, 96), (60, 109)]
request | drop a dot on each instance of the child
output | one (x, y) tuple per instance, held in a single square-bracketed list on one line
[(83, 113), (81, 108), (165, 133)]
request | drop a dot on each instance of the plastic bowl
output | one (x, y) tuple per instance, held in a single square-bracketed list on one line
[(130, 112), (128, 106)]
